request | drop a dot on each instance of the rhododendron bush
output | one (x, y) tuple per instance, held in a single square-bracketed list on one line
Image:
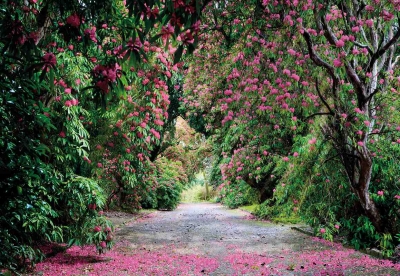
[(302, 105), (84, 99)]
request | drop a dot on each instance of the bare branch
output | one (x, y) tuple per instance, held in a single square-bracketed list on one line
[(328, 32), (395, 62), (355, 80), (383, 61), (377, 90), (381, 51)]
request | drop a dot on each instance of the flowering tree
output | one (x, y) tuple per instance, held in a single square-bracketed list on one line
[(69, 68), (297, 75)]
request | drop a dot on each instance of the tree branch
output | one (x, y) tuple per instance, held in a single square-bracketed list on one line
[(316, 59), (322, 98), (317, 114), (377, 90), (363, 46), (355, 80), (381, 51)]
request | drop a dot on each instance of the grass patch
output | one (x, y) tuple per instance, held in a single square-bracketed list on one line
[(250, 208), (191, 195), (286, 220)]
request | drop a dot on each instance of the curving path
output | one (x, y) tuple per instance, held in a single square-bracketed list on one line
[(209, 239)]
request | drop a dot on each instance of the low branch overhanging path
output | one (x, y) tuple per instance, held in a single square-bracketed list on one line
[(210, 239)]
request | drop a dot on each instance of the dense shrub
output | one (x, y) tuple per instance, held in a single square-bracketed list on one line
[(70, 215), (314, 188), (237, 194), (168, 185)]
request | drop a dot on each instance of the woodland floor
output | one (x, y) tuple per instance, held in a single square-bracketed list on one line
[(209, 239)]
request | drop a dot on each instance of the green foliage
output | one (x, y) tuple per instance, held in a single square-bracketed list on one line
[(77, 104), (237, 194), (314, 188), (170, 182), (68, 215), (168, 195), (297, 109)]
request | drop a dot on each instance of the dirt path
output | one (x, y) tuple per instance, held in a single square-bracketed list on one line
[(244, 246)]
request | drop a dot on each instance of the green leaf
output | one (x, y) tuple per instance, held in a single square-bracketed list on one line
[(178, 54)]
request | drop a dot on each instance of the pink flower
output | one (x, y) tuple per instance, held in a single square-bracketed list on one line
[(369, 23), (103, 244), (312, 141), (67, 90), (387, 16), (103, 85), (295, 154), (295, 77), (367, 123), (97, 229), (74, 20), (62, 134), (360, 143), (91, 33), (337, 226), (369, 8), (74, 102), (167, 31), (49, 59), (68, 103), (339, 43), (380, 193), (337, 62), (99, 165), (322, 230), (286, 159)]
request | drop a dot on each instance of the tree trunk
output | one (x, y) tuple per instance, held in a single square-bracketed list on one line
[(358, 167), (206, 184), (264, 187)]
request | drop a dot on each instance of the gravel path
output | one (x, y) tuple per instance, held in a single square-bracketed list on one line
[(208, 228), (243, 246)]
